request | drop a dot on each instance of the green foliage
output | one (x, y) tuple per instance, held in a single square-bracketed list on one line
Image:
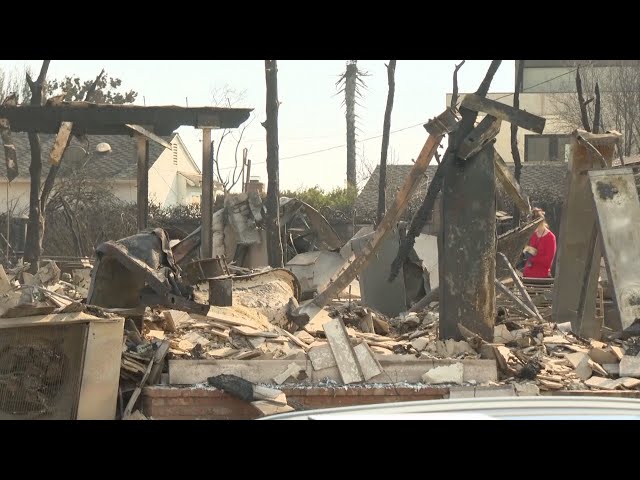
[(341, 199), (107, 90)]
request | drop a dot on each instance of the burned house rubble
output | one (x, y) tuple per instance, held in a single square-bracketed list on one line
[(201, 327)]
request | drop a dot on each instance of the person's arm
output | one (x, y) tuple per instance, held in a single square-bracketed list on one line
[(546, 251)]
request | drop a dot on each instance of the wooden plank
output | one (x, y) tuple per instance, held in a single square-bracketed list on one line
[(61, 142), (441, 125), (228, 319), (578, 254), (343, 351), (467, 254), (174, 319), (521, 288), (150, 135), (618, 210), (294, 339), (321, 357), (267, 408), (158, 357), (522, 119), (368, 363), (510, 184), (477, 138), (252, 332), (28, 310)]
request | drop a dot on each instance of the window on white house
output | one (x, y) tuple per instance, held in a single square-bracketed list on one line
[(547, 148), (174, 148)]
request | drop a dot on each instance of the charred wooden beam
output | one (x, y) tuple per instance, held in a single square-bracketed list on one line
[(102, 119), (142, 159), (510, 184), (444, 123), (484, 133), (150, 135), (61, 142), (504, 112), (206, 242), (467, 257)]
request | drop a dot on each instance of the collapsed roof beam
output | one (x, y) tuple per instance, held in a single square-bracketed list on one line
[(102, 119)]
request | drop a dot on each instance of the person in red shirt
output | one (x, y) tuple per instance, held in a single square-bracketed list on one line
[(541, 250)]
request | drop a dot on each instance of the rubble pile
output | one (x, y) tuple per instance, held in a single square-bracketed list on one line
[(531, 349)]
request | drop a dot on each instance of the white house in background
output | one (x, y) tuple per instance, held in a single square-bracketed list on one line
[(544, 83), (174, 178)]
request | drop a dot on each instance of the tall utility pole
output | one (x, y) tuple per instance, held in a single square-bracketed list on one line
[(272, 220)]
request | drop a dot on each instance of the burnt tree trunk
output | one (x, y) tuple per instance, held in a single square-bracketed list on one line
[(596, 111), (272, 220), (35, 226), (37, 200), (425, 212), (350, 103), (582, 103), (382, 187), (517, 161)]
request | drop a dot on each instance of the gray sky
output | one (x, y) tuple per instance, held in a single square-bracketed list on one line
[(311, 117)]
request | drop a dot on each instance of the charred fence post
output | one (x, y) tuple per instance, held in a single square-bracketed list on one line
[(142, 158), (206, 241)]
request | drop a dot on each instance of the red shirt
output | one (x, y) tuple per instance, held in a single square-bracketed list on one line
[(541, 262)]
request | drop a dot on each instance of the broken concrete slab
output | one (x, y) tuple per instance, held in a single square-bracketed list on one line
[(369, 365), (612, 369), (602, 356), (445, 374), (292, 370), (630, 366), (321, 357), (580, 362), (343, 351), (396, 369)]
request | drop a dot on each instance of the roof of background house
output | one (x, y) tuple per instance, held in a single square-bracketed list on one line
[(119, 163), (541, 181)]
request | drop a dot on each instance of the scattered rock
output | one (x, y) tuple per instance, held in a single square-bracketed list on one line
[(526, 389), (445, 374), (419, 343), (501, 334)]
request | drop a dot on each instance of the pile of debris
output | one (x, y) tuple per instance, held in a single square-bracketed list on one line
[(534, 349)]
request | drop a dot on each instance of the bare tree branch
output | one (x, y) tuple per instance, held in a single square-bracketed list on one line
[(583, 105), (596, 111), (454, 95), (386, 128), (425, 212), (514, 128)]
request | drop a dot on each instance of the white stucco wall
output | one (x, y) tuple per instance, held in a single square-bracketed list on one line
[(166, 187)]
